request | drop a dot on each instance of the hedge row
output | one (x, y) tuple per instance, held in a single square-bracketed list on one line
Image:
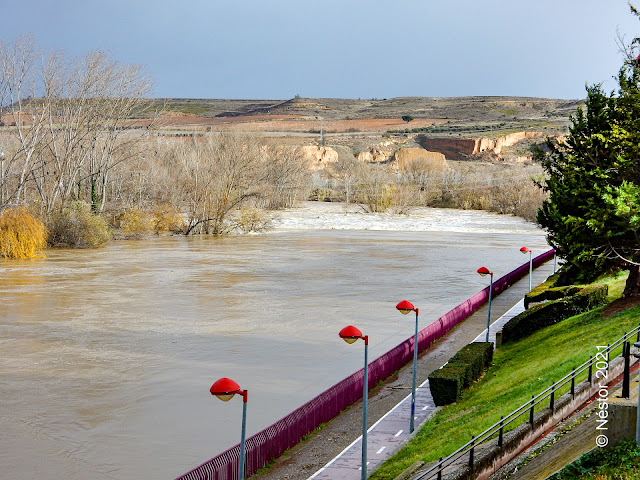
[(554, 293), (543, 315), (549, 291), (466, 366)]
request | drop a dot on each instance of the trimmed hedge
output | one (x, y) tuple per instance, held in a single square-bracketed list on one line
[(554, 293), (543, 315), (477, 355), (446, 384), (465, 367)]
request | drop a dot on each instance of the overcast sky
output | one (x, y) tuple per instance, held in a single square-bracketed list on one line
[(275, 49)]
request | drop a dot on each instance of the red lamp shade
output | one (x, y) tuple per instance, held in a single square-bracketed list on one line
[(405, 307), (350, 334), (484, 271), (225, 389), (525, 250)]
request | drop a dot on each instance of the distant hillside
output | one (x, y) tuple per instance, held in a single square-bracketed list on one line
[(460, 109)]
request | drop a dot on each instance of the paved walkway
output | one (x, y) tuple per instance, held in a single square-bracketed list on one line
[(391, 431)]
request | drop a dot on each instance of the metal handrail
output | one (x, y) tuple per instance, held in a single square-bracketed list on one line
[(498, 427)]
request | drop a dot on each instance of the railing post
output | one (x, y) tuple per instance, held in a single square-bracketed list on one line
[(471, 452), (573, 382), (531, 411), (551, 402), (626, 378), (440, 469), (590, 369), (638, 336), (608, 356), (500, 435)]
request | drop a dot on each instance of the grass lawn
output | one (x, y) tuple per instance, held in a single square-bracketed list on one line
[(520, 369)]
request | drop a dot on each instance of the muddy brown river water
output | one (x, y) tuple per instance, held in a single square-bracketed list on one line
[(106, 356)]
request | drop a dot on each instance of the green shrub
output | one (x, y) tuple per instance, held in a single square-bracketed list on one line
[(446, 384), (554, 293), (76, 226), (478, 355), (591, 296), (543, 315), (465, 367)]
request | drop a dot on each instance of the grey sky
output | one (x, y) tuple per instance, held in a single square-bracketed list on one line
[(275, 49)]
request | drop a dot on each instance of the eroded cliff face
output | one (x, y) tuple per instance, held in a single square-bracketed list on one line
[(466, 148), (498, 144), (381, 152), (451, 148), (405, 157), (318, 157), (432, 153)]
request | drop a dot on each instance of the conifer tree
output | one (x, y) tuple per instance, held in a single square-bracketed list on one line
[(593, 210)]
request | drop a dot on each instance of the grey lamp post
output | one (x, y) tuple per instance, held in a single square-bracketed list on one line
[(350, 335), (525, 250), (405, 307), (485, 271), (225, 389)]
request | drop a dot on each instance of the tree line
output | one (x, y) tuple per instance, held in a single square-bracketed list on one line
[(80, 152)]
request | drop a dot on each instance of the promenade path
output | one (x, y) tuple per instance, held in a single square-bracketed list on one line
[(390, 429)]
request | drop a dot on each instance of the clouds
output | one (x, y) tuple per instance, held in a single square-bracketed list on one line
[(330, 48)]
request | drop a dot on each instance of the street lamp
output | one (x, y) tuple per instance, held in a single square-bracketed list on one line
[(350, 335), (225, 389), (405, 307), (485, 271), (525, 250)]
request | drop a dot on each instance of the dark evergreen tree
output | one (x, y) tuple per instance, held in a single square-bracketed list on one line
[(593, 210)]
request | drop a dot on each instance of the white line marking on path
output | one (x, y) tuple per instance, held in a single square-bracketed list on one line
[(380, 451), (399, 433)]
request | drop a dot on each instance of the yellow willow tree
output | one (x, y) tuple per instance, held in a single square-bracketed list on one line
[(21, 234)]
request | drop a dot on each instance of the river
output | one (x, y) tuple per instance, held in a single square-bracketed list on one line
[(107, 355)]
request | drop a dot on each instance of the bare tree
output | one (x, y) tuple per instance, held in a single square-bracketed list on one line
[(24, 114), (68, 117), (88, 102), (284, 177), (348, 171), (219, 174), (374, 192)]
